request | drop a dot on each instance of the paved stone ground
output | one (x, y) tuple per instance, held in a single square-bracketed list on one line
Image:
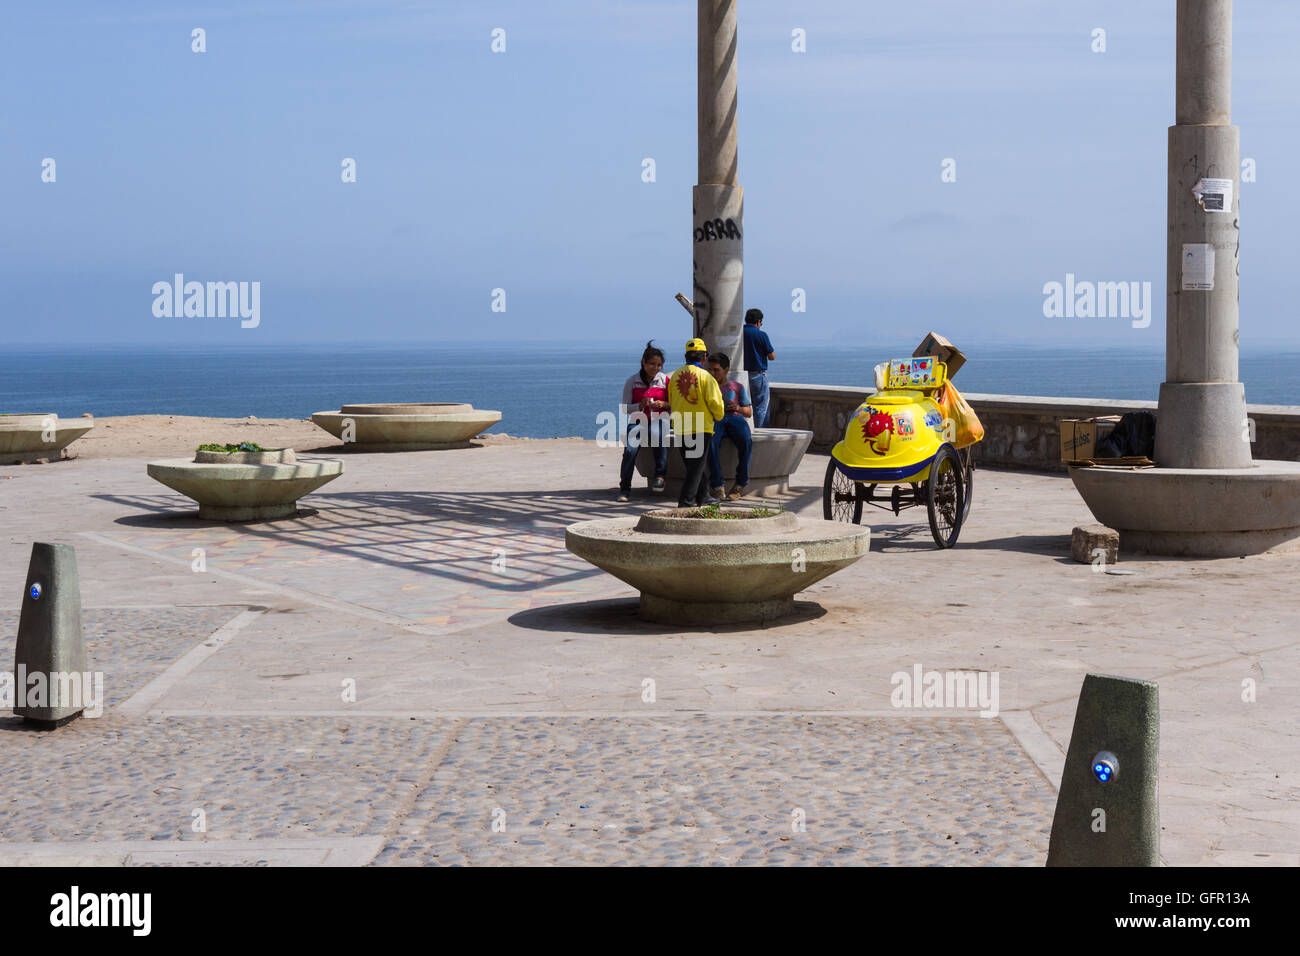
[(728, 790), (134, 645), (493, 671)]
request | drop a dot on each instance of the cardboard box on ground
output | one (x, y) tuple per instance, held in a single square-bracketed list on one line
[(1079, 436)]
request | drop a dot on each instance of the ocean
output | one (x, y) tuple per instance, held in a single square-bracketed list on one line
[(541, 391)]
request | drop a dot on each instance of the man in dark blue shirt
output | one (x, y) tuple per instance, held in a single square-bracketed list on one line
[(758, 351)]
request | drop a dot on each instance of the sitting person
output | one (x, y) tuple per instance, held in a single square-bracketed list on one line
[(737, 407), (645, 402)]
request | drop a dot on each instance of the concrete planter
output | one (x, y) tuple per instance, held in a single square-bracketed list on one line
[(1197, 512), (245, 486), (22, 436), (776, 455), (703, 571), (270, 456), (413, 426)]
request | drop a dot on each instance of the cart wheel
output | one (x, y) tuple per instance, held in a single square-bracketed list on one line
[(946, 497), (841, 496), (969, 483)]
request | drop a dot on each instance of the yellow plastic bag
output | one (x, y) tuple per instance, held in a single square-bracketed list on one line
[(966, 427)]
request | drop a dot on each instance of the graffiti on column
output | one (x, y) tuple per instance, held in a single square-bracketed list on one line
[(712, 229), (703, 307), (709, 231)]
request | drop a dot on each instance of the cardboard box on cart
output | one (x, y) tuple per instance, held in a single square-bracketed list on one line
[(1079, 436), (947, 353)]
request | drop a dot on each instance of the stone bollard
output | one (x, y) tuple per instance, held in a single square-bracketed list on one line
[(1107, 812), (1087, 540), (50, 657)]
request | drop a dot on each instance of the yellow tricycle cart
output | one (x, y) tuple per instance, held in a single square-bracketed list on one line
[(917, 436)]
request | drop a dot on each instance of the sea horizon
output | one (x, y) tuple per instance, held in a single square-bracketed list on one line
[(549, 389)]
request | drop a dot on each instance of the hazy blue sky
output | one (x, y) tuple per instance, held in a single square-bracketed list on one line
[(522, 170)]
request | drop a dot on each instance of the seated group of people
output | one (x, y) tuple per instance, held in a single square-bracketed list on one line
[(695, 409)]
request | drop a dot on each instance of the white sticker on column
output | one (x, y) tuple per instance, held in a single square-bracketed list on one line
[(1198, 267), (1214, 195)]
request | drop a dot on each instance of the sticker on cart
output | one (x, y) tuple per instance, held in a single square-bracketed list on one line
[(903, 426), (912, 373)]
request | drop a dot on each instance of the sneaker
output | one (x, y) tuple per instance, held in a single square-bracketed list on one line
[(622, 496), (658, 485), (718, 493), (737, 492)]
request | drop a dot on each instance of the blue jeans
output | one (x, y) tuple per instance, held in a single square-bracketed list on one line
[(735, 428), (758, 395), (658, 431)]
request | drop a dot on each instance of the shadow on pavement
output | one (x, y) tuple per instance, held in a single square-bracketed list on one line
[(502, 541), (617, 617)]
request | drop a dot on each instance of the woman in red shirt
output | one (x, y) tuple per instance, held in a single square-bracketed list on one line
[(645, 402)]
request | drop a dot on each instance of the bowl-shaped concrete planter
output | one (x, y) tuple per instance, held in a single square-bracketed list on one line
[(414, 426), (1197, 512), (717, 570), (23, 437), (267, 456), (245, 486)]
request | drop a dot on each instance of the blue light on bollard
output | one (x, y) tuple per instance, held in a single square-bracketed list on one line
[(36, 591), (1105, 766)]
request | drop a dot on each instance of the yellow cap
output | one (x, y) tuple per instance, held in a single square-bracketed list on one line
[(696, 345)]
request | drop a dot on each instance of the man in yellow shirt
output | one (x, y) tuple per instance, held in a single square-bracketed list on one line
[(696, 403)]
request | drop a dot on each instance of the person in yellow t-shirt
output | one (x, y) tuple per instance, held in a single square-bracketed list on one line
[(696, 403)]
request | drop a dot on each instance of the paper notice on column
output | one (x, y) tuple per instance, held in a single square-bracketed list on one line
[(1214, 195), (1198, 267)]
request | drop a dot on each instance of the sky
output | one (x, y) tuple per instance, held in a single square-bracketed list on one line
[(522, 170)]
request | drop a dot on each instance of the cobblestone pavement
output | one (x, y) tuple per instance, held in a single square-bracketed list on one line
[(112, 779), (675, 790), (131, 646), (671, 789), (729, 790)]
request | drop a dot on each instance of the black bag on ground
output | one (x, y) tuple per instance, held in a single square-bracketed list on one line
[(1135, 435)]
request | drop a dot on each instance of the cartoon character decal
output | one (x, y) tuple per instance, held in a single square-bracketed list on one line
[(688, 386), (877, 429), (903, 426)]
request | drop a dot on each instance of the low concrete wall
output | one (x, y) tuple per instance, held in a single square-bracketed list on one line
[(1020, 431)]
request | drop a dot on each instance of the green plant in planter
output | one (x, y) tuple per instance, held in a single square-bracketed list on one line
[(713, 511), (230, 449)]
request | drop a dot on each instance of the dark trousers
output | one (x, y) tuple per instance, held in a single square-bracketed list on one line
[(657, 433), (735, 428), (694, 489)]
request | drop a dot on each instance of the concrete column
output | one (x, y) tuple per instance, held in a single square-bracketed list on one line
[(717, 199), (1202, 413)]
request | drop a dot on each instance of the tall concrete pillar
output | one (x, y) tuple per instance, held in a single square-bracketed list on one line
[(717, 199), (1207, 498), (1202, 413)]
